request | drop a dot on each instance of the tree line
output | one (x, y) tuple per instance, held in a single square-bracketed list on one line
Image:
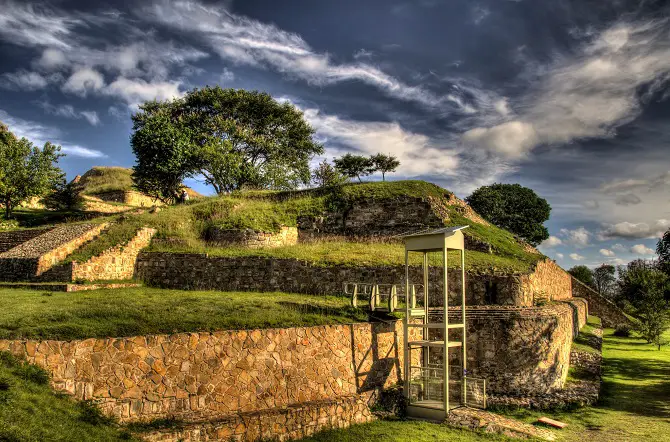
[(640, 288)]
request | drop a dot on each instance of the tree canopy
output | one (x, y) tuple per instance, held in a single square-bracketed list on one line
[(583, 274), (232, 137), (354, 166), (384, 163), (26, 171), (663, 252), (604, 279), (515, 208)]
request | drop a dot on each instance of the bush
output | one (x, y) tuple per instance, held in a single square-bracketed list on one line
[(623, 330)]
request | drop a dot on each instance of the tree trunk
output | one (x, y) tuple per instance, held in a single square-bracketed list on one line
[(383, 176), (8, 209)]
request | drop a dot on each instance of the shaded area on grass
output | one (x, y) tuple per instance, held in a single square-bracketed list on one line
[(31, 314), (31, 411)]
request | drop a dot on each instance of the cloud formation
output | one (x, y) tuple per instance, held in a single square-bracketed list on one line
[(552, 241), (68, 111), (628, 230), (23, 80), (579, 237), (586, 95), (607, 252), (576, 257), (641, 249)]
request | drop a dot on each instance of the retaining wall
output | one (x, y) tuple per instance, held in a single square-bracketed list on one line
[(202, 272), (129, 197), (250, 238), (606, 310), (195, 376)]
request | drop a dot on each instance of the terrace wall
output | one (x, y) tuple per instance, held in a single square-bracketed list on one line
[(606, 310), (250, 238), (129, 197), (198, 376), (13, 238), (203, 272)]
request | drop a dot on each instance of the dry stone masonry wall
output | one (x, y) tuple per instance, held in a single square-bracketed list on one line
[(200, 271), (116, 263), (547, 282), (14, 238), (253, 239), (606, 310), (129, 197), (210, 375)]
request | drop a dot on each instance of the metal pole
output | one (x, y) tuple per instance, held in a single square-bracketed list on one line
[(424, 331), (406, 352), (465, 358), (445, 364)]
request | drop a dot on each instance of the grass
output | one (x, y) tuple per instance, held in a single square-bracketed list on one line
[(106, 179), (31, 411), (403, 431), (34, 314), (585, 340), (360, 254), (118, 233), (635, 396)]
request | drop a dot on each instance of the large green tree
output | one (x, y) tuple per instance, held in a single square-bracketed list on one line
[(515, 208), (384, 163), (663, 252), (583, 274), (604, 280), (232, 137), (26, 171), (354, 166)]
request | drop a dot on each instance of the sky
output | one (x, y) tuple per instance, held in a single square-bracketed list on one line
[(569, 98)]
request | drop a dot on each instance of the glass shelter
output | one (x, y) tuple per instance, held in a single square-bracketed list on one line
[(432, 385)]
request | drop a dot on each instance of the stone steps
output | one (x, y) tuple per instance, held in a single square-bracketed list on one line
[(473, 419), (39, 254)]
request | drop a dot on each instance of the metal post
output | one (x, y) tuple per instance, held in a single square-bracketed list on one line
[(424, 331), (445, 363), (463, 346), (406, 352)]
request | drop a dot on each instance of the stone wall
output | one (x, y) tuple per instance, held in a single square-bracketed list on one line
[(250, 238), (203, 272), (13, 238), (211, 375), (115, 263), (606, 310), (547, 282), (57, 254), (381, 217), (277, 424), (129, 197)]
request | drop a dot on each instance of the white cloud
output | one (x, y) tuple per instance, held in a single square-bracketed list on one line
[(607, 252), (30, 24), (587, 94), (560, 256), (479, 13), (641, 249), (657, 182), (552, 241), (51, 59), (630, 230), (23, 80), (627, 199), (619, 247), (226, 76), (591, 204), (83, 81), (83, 152), (579, 237), (576, 257), (40, 134), (362, 53), (417, 153), (246, 41), (136, 91), (512, 139), (68, 111)]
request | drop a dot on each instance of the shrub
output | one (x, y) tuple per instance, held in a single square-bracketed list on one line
[(623, 330)]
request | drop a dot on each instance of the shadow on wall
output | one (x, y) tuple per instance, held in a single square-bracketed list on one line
[(372, 370)]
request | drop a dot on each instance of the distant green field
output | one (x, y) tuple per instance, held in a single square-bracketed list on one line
[(37, 314)]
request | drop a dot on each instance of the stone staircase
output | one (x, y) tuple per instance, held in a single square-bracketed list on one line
[(35, 256)]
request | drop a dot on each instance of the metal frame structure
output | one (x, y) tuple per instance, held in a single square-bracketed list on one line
[(431, 374)]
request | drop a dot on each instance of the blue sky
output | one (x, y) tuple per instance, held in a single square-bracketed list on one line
[(569, 98)]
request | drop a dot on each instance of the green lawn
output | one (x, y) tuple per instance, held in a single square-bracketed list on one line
[(31, 412), (139, 311)]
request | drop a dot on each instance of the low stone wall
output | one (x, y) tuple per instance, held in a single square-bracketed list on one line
[(376, 217), (203, 272), (250, 238), (277, 424), (13, 238), (210, 375), (57, 254), (606, 310), (115, 263), (547, 281), (129, 197)]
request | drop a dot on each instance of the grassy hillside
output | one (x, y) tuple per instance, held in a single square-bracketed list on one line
[(268, 211), (106, 179)]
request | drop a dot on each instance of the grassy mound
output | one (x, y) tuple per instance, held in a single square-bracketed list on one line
[(106, 179), (267, 211), (32, 314)]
